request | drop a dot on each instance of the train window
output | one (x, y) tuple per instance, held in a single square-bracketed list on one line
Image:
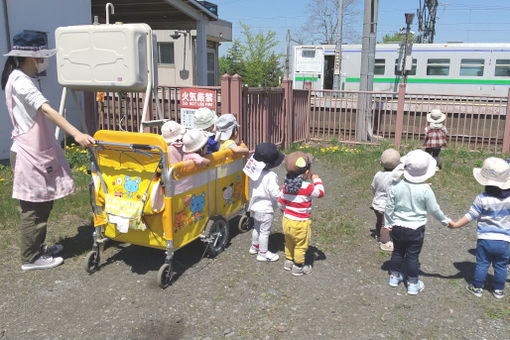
[(308, 53), (379, 66), (398, 67), (438, 67), (471, 67), (502, 68)]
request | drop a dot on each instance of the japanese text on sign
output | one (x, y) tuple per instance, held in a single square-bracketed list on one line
[(197, 98)]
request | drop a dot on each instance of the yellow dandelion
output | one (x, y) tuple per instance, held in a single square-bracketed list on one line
[(2, 179), (300, 147), (322, 150), (306, 146)]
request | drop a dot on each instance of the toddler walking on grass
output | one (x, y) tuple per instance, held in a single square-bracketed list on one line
[(390, 158), (408, 203), (296, 203), (492, 210), (265, 191)]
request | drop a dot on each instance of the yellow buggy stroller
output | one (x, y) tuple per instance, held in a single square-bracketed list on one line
[(138, 198)]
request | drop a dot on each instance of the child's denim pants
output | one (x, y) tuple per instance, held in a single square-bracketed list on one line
[(407, 244), (495, 252)]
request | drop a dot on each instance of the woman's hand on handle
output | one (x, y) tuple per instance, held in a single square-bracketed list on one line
[(84, 140)]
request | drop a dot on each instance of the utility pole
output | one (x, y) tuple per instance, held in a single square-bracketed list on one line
[(337, 74), (409, 21), (366, 81)]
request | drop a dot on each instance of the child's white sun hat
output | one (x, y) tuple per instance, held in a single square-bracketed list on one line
[(418, 166), (494, 171), (436, 118), (225, 126), (172, 131), (194, 140), (204, 118)]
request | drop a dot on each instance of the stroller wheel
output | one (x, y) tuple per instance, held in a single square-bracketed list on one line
[(92, 261), (245, 223), (165, 275), (218, 235)]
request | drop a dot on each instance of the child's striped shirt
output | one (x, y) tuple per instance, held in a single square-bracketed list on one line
[(298, 206)]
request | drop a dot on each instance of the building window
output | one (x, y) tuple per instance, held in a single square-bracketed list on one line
[(166, 53), (502, 68), (379, 66), (308, 53), (438, 67), (211, 68), (399, 64), (471, 67)]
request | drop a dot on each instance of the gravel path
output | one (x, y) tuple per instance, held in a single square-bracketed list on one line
[(233, 296)]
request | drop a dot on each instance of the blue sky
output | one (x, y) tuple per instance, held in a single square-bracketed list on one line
[(457, 20)]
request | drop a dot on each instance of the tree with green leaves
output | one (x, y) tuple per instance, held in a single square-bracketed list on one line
[(254, 59), (396, 37)]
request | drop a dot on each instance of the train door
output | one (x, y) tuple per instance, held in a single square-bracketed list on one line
[(329, 66)]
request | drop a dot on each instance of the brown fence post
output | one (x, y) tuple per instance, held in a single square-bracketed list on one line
[(236, 104), (308, 87), (288, 116), (506, 133), (400, 115), (225, 93)]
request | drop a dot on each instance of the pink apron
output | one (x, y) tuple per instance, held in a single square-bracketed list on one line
[(41, 172)]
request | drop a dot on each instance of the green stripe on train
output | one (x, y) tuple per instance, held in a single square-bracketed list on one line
[(436, 81), (309, 79)]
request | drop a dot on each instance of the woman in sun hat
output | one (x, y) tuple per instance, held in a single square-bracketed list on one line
[(194, 147), (492, 210), (204, 119), (172, 132), (264, 194), (41, 172), (435, 134), (407, 205)]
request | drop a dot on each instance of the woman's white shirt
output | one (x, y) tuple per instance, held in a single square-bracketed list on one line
[(26, 100)]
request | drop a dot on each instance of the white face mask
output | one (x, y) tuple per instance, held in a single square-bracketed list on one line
[(41, 67)]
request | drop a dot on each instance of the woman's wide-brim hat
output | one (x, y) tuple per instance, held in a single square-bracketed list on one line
[(418, 166), (30, 44), (495, 172)]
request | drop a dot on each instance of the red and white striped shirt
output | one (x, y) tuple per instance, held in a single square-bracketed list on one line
[(298, 206)]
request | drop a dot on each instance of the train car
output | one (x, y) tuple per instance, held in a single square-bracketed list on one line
[(450, 68)]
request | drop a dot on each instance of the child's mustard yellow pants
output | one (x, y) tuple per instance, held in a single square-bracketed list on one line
[(297, 235)]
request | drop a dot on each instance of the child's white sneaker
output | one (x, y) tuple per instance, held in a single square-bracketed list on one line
[(303, 270), (287, 265), (415, 288), (388, 246), (267, 257), (253, 250)]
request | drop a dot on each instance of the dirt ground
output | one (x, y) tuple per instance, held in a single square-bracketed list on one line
[(233, 296)]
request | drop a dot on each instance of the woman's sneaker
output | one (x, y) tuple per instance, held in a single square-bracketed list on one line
[(415, 288), (473, 290), (43, 262), (51, 250), (498, 293), (395, 280), (267, 257)]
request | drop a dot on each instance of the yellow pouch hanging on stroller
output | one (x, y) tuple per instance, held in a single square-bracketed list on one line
[(124, 213)]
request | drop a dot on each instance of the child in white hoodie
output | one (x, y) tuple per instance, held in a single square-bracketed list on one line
[(264, 196)]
